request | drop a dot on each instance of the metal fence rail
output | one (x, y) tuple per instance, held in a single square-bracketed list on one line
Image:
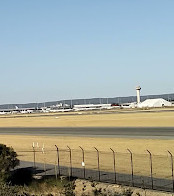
[(139, 170)]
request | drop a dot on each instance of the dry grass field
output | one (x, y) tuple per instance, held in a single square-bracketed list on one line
[(162, 167), (138, 146), (132, 119)]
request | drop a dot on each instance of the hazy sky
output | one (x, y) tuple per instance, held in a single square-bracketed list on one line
[(63, 49)]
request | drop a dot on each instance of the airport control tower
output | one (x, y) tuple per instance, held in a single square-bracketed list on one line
[(138, 88)]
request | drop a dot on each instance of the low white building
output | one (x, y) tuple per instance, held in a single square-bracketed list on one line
[(91, 107), (154, 103)]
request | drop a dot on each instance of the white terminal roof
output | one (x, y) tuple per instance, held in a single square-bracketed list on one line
[(154, 103), (91, 105)]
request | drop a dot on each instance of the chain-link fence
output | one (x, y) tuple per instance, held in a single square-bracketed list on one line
[(140, 170)]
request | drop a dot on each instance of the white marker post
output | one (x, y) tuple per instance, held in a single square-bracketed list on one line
[(34, 154), (43, 152)]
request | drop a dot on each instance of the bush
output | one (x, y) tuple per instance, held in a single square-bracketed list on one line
[(8, 161)]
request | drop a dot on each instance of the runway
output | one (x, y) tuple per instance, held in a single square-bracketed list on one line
[(114, 132)]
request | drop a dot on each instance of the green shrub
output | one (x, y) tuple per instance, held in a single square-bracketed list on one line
[(8, 161)]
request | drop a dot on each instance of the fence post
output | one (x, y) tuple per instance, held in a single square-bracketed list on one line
[(171, 155), (58, 161), (114, 165), (43, 152), (34, 156), (83, 160), (70, 161), (55, 168), (151, 167), (98, 160), (132, 168)]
